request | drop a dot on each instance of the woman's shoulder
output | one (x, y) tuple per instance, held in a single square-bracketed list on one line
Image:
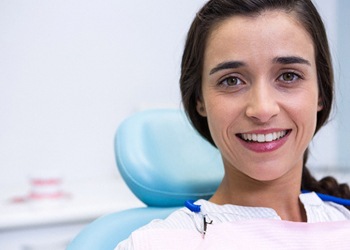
[(179, 219), (323, 211)]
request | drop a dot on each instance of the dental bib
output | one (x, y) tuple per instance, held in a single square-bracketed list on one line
[(250, 234)]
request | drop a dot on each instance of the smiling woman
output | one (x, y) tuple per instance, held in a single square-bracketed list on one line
[(261, 101), (257, 83)]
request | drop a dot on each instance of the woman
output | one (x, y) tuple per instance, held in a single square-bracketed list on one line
[(257, 83)]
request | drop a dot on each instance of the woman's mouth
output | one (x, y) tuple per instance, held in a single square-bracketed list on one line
[(269, 137), (264, 142)]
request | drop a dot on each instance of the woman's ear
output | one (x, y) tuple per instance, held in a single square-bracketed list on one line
[(320, 104), (201, 108)]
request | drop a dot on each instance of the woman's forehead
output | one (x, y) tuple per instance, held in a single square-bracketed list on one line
[(270, 34)]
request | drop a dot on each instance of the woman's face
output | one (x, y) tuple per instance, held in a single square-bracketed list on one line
[(260, 94)]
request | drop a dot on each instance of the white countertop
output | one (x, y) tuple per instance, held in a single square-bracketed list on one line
[(84, 202)]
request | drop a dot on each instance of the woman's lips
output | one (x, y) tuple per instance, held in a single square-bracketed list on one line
[(262, 142)]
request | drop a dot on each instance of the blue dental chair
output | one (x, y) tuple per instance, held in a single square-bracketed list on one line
[(164, 162)]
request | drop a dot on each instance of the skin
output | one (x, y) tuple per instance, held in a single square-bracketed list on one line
[(259, 77)]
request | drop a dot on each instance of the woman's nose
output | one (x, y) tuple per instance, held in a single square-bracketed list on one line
[(262, 103)]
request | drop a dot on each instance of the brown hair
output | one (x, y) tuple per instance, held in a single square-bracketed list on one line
[(213, 13)]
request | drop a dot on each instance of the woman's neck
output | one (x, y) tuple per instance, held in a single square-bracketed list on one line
[(281, 195)]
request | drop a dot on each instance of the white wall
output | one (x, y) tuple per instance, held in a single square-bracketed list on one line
[(72, 70), (324, 147), (344, 84), (331, 147)]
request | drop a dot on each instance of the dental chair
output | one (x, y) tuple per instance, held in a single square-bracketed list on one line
[(164, 162)]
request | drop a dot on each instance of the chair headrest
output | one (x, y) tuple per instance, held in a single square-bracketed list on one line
[(164, 161)]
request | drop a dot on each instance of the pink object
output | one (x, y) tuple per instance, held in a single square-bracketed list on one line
[(46, 186), (45, 182), (251, 234)]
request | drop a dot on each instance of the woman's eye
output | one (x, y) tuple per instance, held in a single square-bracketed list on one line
[(289, 77), (231, 81)]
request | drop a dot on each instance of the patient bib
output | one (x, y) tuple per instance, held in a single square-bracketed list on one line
[(250, 234)]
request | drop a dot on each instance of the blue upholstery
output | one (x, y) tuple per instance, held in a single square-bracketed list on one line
[(172, 161), (164, 162), (106, 232)]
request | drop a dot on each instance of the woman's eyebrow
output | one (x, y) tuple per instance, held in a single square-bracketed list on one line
[(291, 60), (227, 65), (279, 60)]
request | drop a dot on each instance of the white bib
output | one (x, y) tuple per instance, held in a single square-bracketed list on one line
[(250, 234)]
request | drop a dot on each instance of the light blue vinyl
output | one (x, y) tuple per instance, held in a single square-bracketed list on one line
[(164, 162)]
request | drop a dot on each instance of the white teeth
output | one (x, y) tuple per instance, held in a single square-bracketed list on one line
[(261, 138), (264, 137), (249, 137), (269, 137), (254, 137)]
